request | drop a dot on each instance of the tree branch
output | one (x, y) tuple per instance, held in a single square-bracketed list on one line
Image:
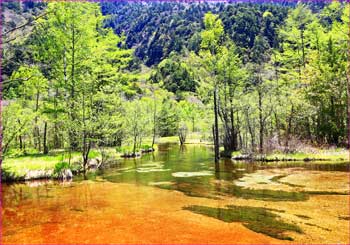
[(25, 24)]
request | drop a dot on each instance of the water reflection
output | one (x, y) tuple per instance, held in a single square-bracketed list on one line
[(191, 170)]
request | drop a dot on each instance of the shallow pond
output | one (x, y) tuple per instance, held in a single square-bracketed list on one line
[(175, 196)]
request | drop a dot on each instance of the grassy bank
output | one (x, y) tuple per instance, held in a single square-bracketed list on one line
[(192, 138), (329, 155), (17, 166)]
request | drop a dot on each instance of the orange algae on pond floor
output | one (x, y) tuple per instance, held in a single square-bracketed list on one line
[(143, 201), (103, 212)]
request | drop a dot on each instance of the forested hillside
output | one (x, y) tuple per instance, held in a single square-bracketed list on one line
[(258, 78), (155, 30)]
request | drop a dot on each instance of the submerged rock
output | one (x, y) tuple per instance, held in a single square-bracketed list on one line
[(243, 157), (38, 174), (65, 174), (130, 155), (137, 154), (147, 150), (93, 163)]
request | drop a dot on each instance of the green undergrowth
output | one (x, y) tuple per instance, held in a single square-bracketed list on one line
[(257, 219), (15, 166)]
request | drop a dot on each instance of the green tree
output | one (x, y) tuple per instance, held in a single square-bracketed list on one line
[(168, 120), (212, 39)]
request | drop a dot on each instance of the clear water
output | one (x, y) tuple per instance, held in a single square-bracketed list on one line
[(175, 195)]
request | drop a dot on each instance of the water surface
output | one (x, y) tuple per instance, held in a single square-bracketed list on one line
[(175, 196)]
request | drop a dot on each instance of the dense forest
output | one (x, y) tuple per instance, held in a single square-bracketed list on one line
[(251, 77)]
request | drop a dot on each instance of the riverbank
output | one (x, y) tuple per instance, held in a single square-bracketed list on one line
[(176, 188), (319, 155), (34, 165), (40, 166)]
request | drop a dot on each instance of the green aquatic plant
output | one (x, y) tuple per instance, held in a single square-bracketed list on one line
[(254, 218)]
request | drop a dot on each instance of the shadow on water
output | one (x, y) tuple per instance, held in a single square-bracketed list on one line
[(190, 169), (257, 219)]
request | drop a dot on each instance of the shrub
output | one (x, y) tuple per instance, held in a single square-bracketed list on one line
[(59, 167)]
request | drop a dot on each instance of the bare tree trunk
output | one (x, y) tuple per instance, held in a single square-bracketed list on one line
[(251, 131), (86, 152), (86, 145), (308, 126), (193, 124), (140, 141), (226, 113), (72, 134), (277, 127), (135, 140), (39, 140), (348, 83), (234, 131), (289, 127), (302, 47), (20, 142), (216, 127), (37, 143), (11, 138), (154, 119), (238, 134), (46, 149), (56, 141), (182, 134), (20, 138), (1, 128), (261, 122)]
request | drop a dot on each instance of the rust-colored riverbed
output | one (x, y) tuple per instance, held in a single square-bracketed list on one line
[(175, 196)]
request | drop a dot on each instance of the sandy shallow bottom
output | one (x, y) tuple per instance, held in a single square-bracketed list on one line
[(106, 213), (116, 213)]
